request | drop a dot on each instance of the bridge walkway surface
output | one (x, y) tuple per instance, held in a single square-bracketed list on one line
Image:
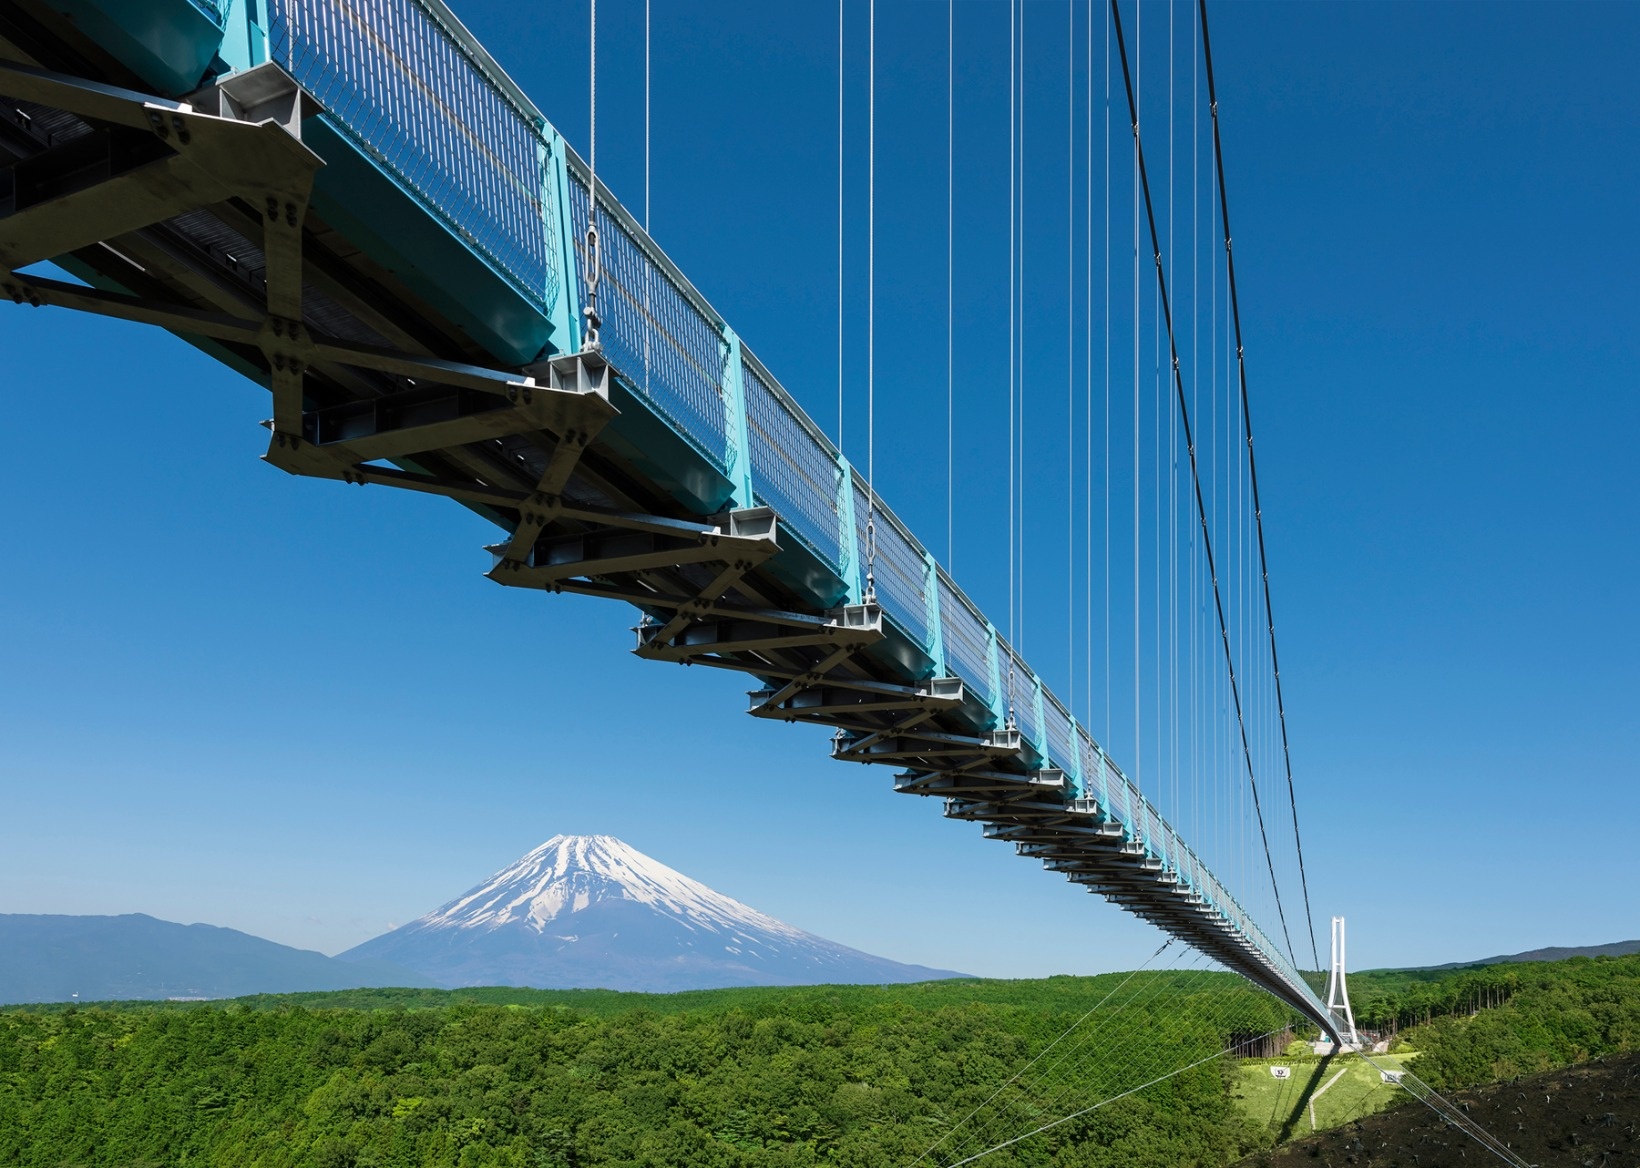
[(352, 205)]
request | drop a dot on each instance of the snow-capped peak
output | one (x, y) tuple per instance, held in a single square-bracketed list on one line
[(570, 873)]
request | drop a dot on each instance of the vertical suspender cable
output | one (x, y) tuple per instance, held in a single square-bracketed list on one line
[(1013, 176), (589, 337), (1138, 732), (1087, 193), (1201, 510), (1172, 476), (1219, 846), (648, 269), (1252, 470), (950, 285), (1196, 381), (1109, 727), (1070, 347), (646, 116), (1024, 527), (592, 100), (871, 318)]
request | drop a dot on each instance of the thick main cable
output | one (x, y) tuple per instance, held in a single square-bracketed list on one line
[(1190, 445), (1451, 1113), (1252, 467), (1049, 1126), (1154, 996), (1012, 1079)]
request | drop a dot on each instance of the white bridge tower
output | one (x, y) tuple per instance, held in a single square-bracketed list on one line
[(1338, 994)]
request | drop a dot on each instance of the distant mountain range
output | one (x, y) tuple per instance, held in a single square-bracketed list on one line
[(577, 912), (1553, 953), (590, 911), (60, 958)]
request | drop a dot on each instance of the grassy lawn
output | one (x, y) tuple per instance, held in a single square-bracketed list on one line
[(1339, 1089)]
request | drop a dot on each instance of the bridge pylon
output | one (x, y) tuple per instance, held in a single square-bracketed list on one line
[(1338, 993)]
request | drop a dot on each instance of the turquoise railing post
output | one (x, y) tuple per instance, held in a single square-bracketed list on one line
[(1079, 787), (244, 41), (993, 657), (566, 313), (849, 550), (936, 633), (1040, 746), (738, 458)]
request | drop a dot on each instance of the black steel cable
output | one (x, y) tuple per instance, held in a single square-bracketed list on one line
[(1190, 445), (1252, 471)]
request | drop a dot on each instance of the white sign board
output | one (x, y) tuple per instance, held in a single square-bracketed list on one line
[(1390, 1076), (1282, 1072)]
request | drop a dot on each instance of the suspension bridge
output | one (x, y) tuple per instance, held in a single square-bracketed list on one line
[(350, 203)]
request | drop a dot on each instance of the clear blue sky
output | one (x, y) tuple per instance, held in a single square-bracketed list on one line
[(297, 709)]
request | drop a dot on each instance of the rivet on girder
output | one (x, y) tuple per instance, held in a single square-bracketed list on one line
[(290, 214), (273, 209)]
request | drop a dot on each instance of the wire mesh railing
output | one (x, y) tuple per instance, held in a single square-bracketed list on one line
[(1057, 733), (396, 77), (1020, 693), (901, 570), (793, 468), (663, 342), (967, 641), (392, 77)]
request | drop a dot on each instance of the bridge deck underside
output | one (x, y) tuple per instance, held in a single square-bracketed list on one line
[(371, 385)]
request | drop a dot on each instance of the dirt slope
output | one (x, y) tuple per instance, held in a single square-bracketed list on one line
[(1587, 1115)]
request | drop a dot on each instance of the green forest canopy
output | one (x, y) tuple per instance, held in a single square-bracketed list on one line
[(856, 1076)]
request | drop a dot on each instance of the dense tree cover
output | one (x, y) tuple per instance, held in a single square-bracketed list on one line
[(856, 1076), (1391, 1000), (1551, 1014), (1048, 995), (848, 1076)]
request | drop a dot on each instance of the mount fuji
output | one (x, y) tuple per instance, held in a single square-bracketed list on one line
[(588, 911)]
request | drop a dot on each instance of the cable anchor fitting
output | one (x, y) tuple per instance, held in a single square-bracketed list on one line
[(871, 558), (589, 337)]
